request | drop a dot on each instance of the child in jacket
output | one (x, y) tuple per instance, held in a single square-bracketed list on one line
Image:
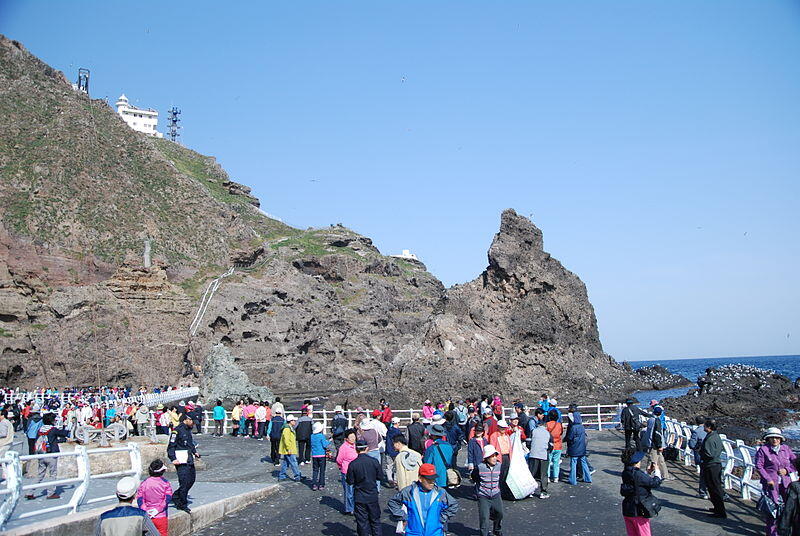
[(319, 444)]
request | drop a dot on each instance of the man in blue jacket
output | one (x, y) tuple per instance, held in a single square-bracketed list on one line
[(427, 506), (576, 449), (440, 454)]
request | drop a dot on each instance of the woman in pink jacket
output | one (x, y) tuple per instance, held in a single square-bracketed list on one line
[(347, 453), (774, 462), (154, 495)]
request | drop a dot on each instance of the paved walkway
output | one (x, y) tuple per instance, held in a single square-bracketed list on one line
[(572, 510)]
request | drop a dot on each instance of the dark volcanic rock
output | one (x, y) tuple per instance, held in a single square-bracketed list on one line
[(745, 400), (659, 378)]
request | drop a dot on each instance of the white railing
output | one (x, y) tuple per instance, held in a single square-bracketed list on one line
[(14, 484), (736, 458), (148, 399), (207, 295), (595, 416)]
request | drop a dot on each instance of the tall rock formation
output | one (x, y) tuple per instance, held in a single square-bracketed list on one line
[(319, 311)]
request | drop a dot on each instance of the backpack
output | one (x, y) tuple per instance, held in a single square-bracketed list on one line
[(42, 445)]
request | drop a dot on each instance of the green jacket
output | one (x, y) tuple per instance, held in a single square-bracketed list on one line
[(711, 451), (288, 444)]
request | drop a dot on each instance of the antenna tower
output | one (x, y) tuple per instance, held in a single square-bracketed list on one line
[(83, 80), (172, 123)]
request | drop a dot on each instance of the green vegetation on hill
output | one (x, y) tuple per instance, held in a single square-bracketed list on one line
[(76, 179)]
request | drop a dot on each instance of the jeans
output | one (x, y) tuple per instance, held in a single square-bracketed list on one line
[(242, 427), (554, 459), (304, 450), (318, 471), (289, 460), (573, 468), (347, 495), (377, 455), (218, 426), (486, 507), (262, 428)]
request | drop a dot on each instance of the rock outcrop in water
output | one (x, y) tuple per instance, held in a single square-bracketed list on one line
[(659, 378), (745, 400)]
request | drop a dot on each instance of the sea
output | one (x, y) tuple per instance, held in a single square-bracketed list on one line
[(788, 365)]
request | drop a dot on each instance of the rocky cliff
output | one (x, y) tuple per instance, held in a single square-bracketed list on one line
[(319, 311)]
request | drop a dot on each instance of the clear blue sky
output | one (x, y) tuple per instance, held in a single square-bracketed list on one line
[(657, 144)]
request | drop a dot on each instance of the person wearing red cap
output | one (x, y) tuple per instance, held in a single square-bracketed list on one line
[(427, 506)]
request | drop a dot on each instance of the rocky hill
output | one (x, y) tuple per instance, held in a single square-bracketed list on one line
[(319, 311)]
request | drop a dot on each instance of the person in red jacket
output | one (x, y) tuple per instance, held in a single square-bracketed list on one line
[(386, 414)]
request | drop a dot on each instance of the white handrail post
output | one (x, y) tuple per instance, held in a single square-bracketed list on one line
[(13, 471), (136, 460), (82, 462), (599, 419)]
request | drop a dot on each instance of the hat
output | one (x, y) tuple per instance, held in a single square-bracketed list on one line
[(160, 406), (395, 420), (291, 418), (338, 409), (427, 401), (653, 402), (502, 423), (553, 402), (361, 444), (658, 410), (637, 457), (317, 428), (426, 421), (414, 416), (629, 401), (126, 487), (487, 411), (376, 413), (437, 430), (519, 405), (428, 470), (774, 432), (489, 450), (438, 412)]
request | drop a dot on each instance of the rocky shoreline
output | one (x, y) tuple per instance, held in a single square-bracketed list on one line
[(744, 400), (660, 378)]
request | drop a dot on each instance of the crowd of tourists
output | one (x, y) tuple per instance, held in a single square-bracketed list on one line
[(646, 442), (507, 455)]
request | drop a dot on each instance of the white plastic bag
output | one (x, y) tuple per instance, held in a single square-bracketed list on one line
[(519, 480)]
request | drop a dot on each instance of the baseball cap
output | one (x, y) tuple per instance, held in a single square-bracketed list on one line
[(126, 487), (637, 457), (361, 444), (502, 423), (291, 418), (428, 470)]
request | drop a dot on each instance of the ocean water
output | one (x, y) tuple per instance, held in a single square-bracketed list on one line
[(788, 365)]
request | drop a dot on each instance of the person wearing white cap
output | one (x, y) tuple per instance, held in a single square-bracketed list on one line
[(319, 446), (486, 476), (390, 452), (774, 462), (126, 519)]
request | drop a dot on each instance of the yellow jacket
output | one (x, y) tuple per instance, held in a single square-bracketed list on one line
[(236, 414), (288, 444)]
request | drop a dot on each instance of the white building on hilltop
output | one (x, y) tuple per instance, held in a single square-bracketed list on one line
[(407, 255), (138, 119)]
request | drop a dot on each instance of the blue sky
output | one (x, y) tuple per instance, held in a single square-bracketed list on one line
[(656, 144)]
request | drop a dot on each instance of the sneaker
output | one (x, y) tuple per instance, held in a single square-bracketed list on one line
[(313, 488), (30, 496), (54, 496), (544, 495), (552, 480), (592, 471)]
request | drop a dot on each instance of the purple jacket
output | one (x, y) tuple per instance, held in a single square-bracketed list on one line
[(768, 463)]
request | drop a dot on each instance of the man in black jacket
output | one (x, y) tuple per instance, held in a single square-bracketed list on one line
[(181, 451), (711, 453), (338, 426), (629, 418), (362, 474), (49, 437), (416, 434), (303, 431), (276, 425)]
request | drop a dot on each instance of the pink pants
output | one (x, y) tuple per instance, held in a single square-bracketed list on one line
[(637, 526)]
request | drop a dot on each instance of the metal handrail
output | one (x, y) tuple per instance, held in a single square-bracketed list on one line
[(595, 418), (14, 486)]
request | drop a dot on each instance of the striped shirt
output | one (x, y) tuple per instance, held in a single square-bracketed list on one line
[(488, 482)]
